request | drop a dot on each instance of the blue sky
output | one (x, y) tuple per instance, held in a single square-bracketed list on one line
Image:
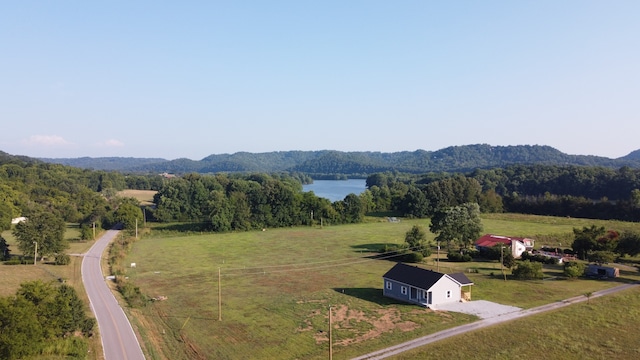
[(191, 79)]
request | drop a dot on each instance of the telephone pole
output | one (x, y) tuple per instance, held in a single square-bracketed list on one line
[(219, 297)]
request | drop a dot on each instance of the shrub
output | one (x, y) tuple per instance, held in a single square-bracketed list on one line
[(426, 251), (87, 326), (132, 294), (62, 259), (573, 269), (458, 257), (527, 270), (16, 262), (414, 257)]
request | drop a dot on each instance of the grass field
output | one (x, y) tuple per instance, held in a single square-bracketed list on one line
[(604, 328), (277, 287), (144, 196)]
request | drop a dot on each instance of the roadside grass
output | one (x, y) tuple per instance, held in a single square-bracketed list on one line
[(144, 196), (277, 286), (604, 328)]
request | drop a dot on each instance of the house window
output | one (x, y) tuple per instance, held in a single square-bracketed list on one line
[(388, 285), (403, 290), (448, 294)]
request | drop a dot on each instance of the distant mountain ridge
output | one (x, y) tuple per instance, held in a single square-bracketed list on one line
[(453, 158)]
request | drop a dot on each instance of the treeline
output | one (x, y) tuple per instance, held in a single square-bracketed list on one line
[(242, 202), (43, 320), (577, 191)]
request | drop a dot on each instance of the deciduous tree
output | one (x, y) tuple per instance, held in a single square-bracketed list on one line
[(460, 224), (46, 229)]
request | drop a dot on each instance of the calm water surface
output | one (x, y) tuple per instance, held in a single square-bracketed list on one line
[(335, 190)]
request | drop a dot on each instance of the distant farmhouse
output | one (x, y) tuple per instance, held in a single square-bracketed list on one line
[(424, 287), (516, 245), (18, 220)]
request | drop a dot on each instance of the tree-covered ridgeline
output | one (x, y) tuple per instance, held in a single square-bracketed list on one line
[(356, 163)]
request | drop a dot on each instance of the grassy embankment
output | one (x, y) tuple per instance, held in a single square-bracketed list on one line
[(277, 287)]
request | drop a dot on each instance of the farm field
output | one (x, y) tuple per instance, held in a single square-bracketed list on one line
[(144, 196), (277, 287)]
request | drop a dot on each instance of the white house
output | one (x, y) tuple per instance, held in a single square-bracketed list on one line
[(516, 245), (424, 287)]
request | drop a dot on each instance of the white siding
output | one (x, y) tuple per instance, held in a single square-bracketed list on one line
[(440, 288)]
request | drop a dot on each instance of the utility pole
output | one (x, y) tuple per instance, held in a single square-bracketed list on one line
[(438, 258), (330, 338), (219, 297), (502, 262), (94, 230), (35, 253)]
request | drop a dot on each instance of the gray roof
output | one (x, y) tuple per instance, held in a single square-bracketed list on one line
[(413, 275), (461, 278)]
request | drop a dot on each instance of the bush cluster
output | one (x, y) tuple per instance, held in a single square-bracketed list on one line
[(457, 256), (539, 258)]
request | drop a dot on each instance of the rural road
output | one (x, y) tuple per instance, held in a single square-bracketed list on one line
[(119, 342), (397, 349)]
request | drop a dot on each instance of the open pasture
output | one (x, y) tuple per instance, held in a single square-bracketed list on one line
[(144, 196), (277, 287)]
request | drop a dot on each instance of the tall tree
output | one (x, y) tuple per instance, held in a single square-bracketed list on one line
[(416, 240), (461, 224), (44, 228), (585, 240), (629, 244)]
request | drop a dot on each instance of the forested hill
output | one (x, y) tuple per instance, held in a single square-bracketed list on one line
[(454, 158)]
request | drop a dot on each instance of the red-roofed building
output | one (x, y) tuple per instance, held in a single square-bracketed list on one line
[(516, 244)]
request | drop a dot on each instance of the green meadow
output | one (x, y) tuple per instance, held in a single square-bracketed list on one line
[(276, 288)]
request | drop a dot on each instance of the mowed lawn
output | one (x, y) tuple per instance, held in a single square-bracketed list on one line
[(277, 287)]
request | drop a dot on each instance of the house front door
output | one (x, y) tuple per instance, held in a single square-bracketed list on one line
[(413, 294), (429, 297)]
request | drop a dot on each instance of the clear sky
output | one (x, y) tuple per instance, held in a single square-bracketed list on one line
[(175, 79)]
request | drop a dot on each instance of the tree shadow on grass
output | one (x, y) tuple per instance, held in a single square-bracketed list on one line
[(368, 294), (375, 252)]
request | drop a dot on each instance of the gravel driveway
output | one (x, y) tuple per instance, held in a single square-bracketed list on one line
[(481, 308)]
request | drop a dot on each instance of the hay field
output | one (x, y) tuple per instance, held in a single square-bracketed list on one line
[(144, 196)]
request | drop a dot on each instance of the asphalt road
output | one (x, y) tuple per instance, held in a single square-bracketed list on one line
[(119, 342), (397, 349)]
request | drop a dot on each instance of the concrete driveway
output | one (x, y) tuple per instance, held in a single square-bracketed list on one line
[(480, 308)]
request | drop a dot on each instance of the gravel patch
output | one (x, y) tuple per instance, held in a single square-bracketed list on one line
[(480, 308)]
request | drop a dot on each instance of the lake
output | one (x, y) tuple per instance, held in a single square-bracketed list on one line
[(335, 190)]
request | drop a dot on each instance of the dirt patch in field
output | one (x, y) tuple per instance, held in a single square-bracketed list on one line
[(355, 326)]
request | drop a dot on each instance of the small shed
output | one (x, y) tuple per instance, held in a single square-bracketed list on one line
[(602, 271)]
